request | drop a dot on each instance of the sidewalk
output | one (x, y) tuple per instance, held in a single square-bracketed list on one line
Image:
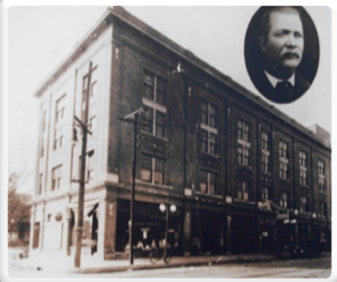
[(91, 264)]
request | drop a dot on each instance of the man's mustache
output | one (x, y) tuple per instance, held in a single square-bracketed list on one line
[(290, 55)]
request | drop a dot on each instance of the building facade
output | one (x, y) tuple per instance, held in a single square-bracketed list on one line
[(242, 175)]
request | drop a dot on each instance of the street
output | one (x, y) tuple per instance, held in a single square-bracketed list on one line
[(303, 268)]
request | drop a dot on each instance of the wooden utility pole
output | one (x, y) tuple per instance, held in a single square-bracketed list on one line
[(133, 117), (84, 125)]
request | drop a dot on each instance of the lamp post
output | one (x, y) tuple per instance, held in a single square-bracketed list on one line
[(133, 118), (165, 207)]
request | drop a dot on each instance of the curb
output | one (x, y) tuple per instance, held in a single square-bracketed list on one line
[(169, 265)]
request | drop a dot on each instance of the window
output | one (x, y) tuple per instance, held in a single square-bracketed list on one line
[(243, 191), (44, 121), (209, 142), (154, 119), (265, 163), (42, 148), (58, 137), (60, 108), (283, 157), (265, 194), (243, 143), (152, 170), (283, 200), (303, 159), (321, 176), (90, 165), (207, 182), (92, 98), (39, 192), (56, 177), (265, 159), (303, 204), (303, 168), (92, 118), (264, 141), (59, 122), (208, 114), (322, 209), (209, 132)]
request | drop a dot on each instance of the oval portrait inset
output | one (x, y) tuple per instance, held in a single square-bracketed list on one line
[(281, 52)]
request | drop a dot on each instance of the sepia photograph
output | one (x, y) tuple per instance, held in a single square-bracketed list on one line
[(167, 142)]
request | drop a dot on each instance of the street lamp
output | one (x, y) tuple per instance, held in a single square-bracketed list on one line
[(165, 207)]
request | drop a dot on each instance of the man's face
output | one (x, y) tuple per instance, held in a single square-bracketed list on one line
[(284, 44)]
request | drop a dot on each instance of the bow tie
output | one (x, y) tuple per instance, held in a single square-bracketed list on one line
[(284, 87)]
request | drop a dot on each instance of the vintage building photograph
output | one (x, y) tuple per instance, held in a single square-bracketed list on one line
[(137, 141)]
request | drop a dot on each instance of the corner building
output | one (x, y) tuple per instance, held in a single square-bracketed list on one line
[(243, 176)]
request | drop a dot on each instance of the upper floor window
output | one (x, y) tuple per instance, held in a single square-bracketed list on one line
[(283, 149), (44, 120), (207, 182), (60, 108), (321, 176), (243, 130), (56, 177), (265, 141), (265, 160), (155, 88), (58, 137), (42, 148), (92, 118), (283, 160), (154, 119), (90, 165), (59, 122), (284, 200), (40, 187), (209, 132), (152, 169), (265, 194), (303, 204), (92, 97), (303, 168), (243, 191), (322, 209), (243, 142), (208, 113)]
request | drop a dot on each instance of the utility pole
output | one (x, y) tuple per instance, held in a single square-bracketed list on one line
[(84, 125), (133, 117)]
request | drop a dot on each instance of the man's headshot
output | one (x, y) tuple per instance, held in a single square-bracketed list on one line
[(274, 53)]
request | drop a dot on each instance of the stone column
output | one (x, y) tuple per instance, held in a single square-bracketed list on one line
[(259, 229), (229, 234), (106, 238), (101, 210), (187, 232), (32, 226)]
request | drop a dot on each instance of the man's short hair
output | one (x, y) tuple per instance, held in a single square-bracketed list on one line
[(265, 19)]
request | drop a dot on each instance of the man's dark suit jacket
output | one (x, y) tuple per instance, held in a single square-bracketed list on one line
[(262, 83)]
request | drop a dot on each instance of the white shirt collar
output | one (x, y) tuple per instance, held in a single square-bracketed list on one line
[(274, 80)]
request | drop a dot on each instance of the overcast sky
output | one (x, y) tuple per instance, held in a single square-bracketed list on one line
[(39, 38)]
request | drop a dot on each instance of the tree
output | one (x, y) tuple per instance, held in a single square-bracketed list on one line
[(18, 207)]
